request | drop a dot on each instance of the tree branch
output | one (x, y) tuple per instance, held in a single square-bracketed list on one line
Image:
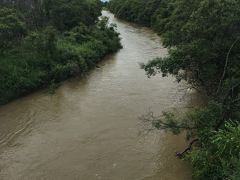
[(189, 148), (226, 64)]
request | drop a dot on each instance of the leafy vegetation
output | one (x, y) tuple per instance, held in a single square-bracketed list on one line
[(43, 42), (203, 38)]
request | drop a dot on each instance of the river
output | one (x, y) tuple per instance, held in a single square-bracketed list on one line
[(89, 129)]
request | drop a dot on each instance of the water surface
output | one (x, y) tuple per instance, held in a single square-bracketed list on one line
[(89, 129)]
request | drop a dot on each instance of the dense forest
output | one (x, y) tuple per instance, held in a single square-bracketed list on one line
[(203, 39), (45, 41)]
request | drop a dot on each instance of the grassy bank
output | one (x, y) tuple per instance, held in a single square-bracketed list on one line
[(39, 48)]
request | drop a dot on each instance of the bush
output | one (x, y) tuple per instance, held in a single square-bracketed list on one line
[(46, 56)]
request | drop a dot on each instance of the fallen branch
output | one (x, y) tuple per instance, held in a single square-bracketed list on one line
[(189, 148)]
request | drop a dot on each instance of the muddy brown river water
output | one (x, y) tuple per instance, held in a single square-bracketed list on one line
[(89, 129)]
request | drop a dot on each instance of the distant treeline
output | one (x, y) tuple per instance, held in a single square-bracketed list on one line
[(203, 38), (46, 41)]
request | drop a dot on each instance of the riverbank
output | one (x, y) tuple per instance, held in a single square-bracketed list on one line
[(35, 57), (25, 72), (203, 44)]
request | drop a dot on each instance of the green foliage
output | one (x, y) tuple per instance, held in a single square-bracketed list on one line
[(67, 14), (139, 11), (217, 157), (59, 39)]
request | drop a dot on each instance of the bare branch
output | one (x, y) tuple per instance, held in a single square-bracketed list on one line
[(189, 148), (226, 64)]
